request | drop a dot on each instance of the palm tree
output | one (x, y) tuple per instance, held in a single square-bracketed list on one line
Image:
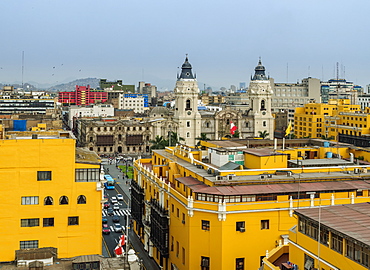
[(263, 134), (173, 139), (158, 143), (203, 137), (236, 134)]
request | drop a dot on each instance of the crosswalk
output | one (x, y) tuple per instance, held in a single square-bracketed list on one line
[(112, 229), (121, 212)]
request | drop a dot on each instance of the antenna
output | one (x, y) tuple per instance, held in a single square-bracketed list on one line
[(22, 67), (337, 82)]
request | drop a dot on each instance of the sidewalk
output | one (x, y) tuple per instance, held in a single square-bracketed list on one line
[(134, 241)]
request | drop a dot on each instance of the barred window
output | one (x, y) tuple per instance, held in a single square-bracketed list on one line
[(205, 225), (87, 175), (30, 222), (44, 176), (48, 222), (30, 200), (72, 220), (337, 243), (29, 244)]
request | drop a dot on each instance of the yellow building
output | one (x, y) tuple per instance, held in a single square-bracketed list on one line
[(315, 120), (191, 214), (333, 237), (50, 195)]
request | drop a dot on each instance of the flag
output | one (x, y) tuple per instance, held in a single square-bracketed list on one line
[(233, 128), (288, 129), (122, 240), (118, 250)]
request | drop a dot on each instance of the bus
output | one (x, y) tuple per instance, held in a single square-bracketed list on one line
[(110, 182)]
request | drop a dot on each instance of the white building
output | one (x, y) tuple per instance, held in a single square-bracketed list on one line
[(95, 110), (131, 103)]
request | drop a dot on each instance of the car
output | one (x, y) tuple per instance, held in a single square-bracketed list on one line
[(110, 212), (113, 200), (116, 206), (119, 197), (106, 229), (117, 227), (104, 220), (115, 219), (106, 205)]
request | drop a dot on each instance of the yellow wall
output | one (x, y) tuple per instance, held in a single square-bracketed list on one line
[(21, 159)]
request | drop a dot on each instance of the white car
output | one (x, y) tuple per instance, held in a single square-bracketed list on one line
[(115, 206), (119, 197), (113, 200), (117, 227)]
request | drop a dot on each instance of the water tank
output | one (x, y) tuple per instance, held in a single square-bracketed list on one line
[(326, 144), (329, 155)]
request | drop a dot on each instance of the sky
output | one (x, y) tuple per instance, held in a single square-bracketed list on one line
[(147, 41)]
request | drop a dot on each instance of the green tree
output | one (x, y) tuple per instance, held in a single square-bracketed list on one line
[(326, 137), (263, 134), (203, 137), (236, 134), (158, 143), (174, 139)]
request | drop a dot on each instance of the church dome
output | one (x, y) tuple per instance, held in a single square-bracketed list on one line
[(186, 72), (259, 72)]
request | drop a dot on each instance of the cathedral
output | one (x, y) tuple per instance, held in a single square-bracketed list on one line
[(189, 123)]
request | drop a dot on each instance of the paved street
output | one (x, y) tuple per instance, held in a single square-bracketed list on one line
[(110, 241)]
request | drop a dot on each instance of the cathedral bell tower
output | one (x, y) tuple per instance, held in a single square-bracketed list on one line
[(260, 93), (186, 105)]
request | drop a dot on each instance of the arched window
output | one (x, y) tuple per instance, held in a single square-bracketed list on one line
[(81, 199), (188, 105), (263, 104), (119, 137), (63, 200), (48, 200), (246, 124), (207, 124), (227, 121), (188, 134)]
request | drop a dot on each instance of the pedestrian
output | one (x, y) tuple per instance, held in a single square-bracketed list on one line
[(118, 177)]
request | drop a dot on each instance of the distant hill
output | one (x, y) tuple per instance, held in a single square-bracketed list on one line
[(71, 86)]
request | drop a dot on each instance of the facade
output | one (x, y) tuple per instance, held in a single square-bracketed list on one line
[(340, 89), (139, 103), (363, 100), (191, 214), (334, 237), (56, 195), (83, 95), (315, 120), (94, 110), (111, 136), (208, 99), (19, 105)]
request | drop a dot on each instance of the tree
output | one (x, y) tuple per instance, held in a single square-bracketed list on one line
[(158, 143), (236, 134), (203, 137), (263, 134), (173, 138)]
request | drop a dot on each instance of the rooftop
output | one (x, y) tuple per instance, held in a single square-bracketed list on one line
[(352, 220)]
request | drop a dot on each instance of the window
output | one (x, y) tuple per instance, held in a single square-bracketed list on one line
[(72, 220), (337, 243), (205, 263), (183, 255), (43, 175), (187, 123), (240, 226), (48, 222), (205, 225), (187, 134), (81, 199), (239, 264), (30, 200), (177, 212), (265, 224), (308, 262), (187, 105), (177, 248), (264, 123), (48, 200), (63, 200), (172, 208), (29, 244), (30, 222)]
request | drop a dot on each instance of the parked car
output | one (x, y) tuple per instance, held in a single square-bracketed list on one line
[(106, 205), (117, 227), (104, 220), (110, 212), (115, 219), (119, 197), (116, 206), (113, 200), (106, 229)]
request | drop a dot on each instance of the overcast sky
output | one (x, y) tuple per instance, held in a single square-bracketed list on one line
[(147, 40)]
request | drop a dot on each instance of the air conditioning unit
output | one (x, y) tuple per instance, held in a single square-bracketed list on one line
[(356, 170), (230, 176), (269, 176), (209, 171), (219, 177), (364, 170), (289, 174), (199, 166), (262, 176), (242, 229)]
